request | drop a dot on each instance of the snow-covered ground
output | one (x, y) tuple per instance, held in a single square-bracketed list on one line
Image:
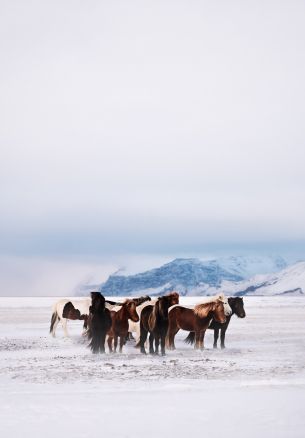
[(53, 387)]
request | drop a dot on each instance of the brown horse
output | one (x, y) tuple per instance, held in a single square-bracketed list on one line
[(196, 320), (154, 319), (119, 326), (237, 306)]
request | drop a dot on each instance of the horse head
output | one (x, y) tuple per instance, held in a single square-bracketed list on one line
[(237, 306), (98, 302), (165, 302), (219, 311), (173, 298), (141, 300), (227, 308), (131, 309)]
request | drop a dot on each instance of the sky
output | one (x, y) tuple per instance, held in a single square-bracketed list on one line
[(143, 130)]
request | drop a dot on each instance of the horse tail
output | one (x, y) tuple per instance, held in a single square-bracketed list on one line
[(53, 320), (95, 341), (95, 332), (190, 339)]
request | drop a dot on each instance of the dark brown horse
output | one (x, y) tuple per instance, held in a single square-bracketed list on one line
[(237, 306), (99, 322), (154, 319), (119, 326), (196, 320)]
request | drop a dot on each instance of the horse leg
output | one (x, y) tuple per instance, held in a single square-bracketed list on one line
[(64, 326), (115, 343), (122, 342), (157, 341), (143, 337), (151, 343), (216, 334), (55, 326), (222, 337), (163, 344), (197, 340), (201, 340), (110, 338), (171, 338)]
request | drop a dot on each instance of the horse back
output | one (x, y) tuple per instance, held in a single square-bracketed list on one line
[(183, 318)]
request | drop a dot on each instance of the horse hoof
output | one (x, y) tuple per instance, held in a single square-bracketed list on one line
[(214, 346)]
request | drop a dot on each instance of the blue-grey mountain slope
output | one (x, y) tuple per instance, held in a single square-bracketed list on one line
[(189, 276)]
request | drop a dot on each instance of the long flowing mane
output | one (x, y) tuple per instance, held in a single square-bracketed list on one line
[(203, 309)]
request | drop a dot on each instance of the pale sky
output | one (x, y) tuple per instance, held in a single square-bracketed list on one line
[(148, 127)]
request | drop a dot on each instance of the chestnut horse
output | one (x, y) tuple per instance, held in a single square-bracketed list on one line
[(119, 326), (154, 319), (196, 320), (237, 306), (99, 322)]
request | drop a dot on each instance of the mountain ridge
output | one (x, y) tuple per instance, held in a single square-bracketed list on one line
[(192, 276)]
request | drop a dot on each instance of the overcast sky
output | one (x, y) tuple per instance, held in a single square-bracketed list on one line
[(149, 129)]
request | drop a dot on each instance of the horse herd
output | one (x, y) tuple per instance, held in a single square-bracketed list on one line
[(161, 318)]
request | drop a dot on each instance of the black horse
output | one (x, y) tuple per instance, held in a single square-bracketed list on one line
[(99, 322), (237, 306), (154, 319)]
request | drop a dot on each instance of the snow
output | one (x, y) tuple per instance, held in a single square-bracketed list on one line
[(289, 280), (254, 388)]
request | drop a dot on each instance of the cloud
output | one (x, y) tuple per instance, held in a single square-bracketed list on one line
[(160, 128)]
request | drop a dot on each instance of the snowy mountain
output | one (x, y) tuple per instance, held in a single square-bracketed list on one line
[(249, 266), (181, 274), (189, 276), (289, 281)]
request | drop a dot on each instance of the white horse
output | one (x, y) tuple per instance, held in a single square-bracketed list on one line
[(79, 305)]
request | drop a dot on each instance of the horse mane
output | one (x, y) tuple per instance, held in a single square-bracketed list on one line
[(173, 295), (203, 309), (98, 302), (158, 309), (163, 303)]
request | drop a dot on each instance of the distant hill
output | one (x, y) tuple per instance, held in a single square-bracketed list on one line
[(189, 276), (288, 281)]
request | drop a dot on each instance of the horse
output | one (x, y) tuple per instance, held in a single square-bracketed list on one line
[(134, 327), (119, 325), (99, 322), (237, 306), (196, 320), (154, 319), (65, 309)]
